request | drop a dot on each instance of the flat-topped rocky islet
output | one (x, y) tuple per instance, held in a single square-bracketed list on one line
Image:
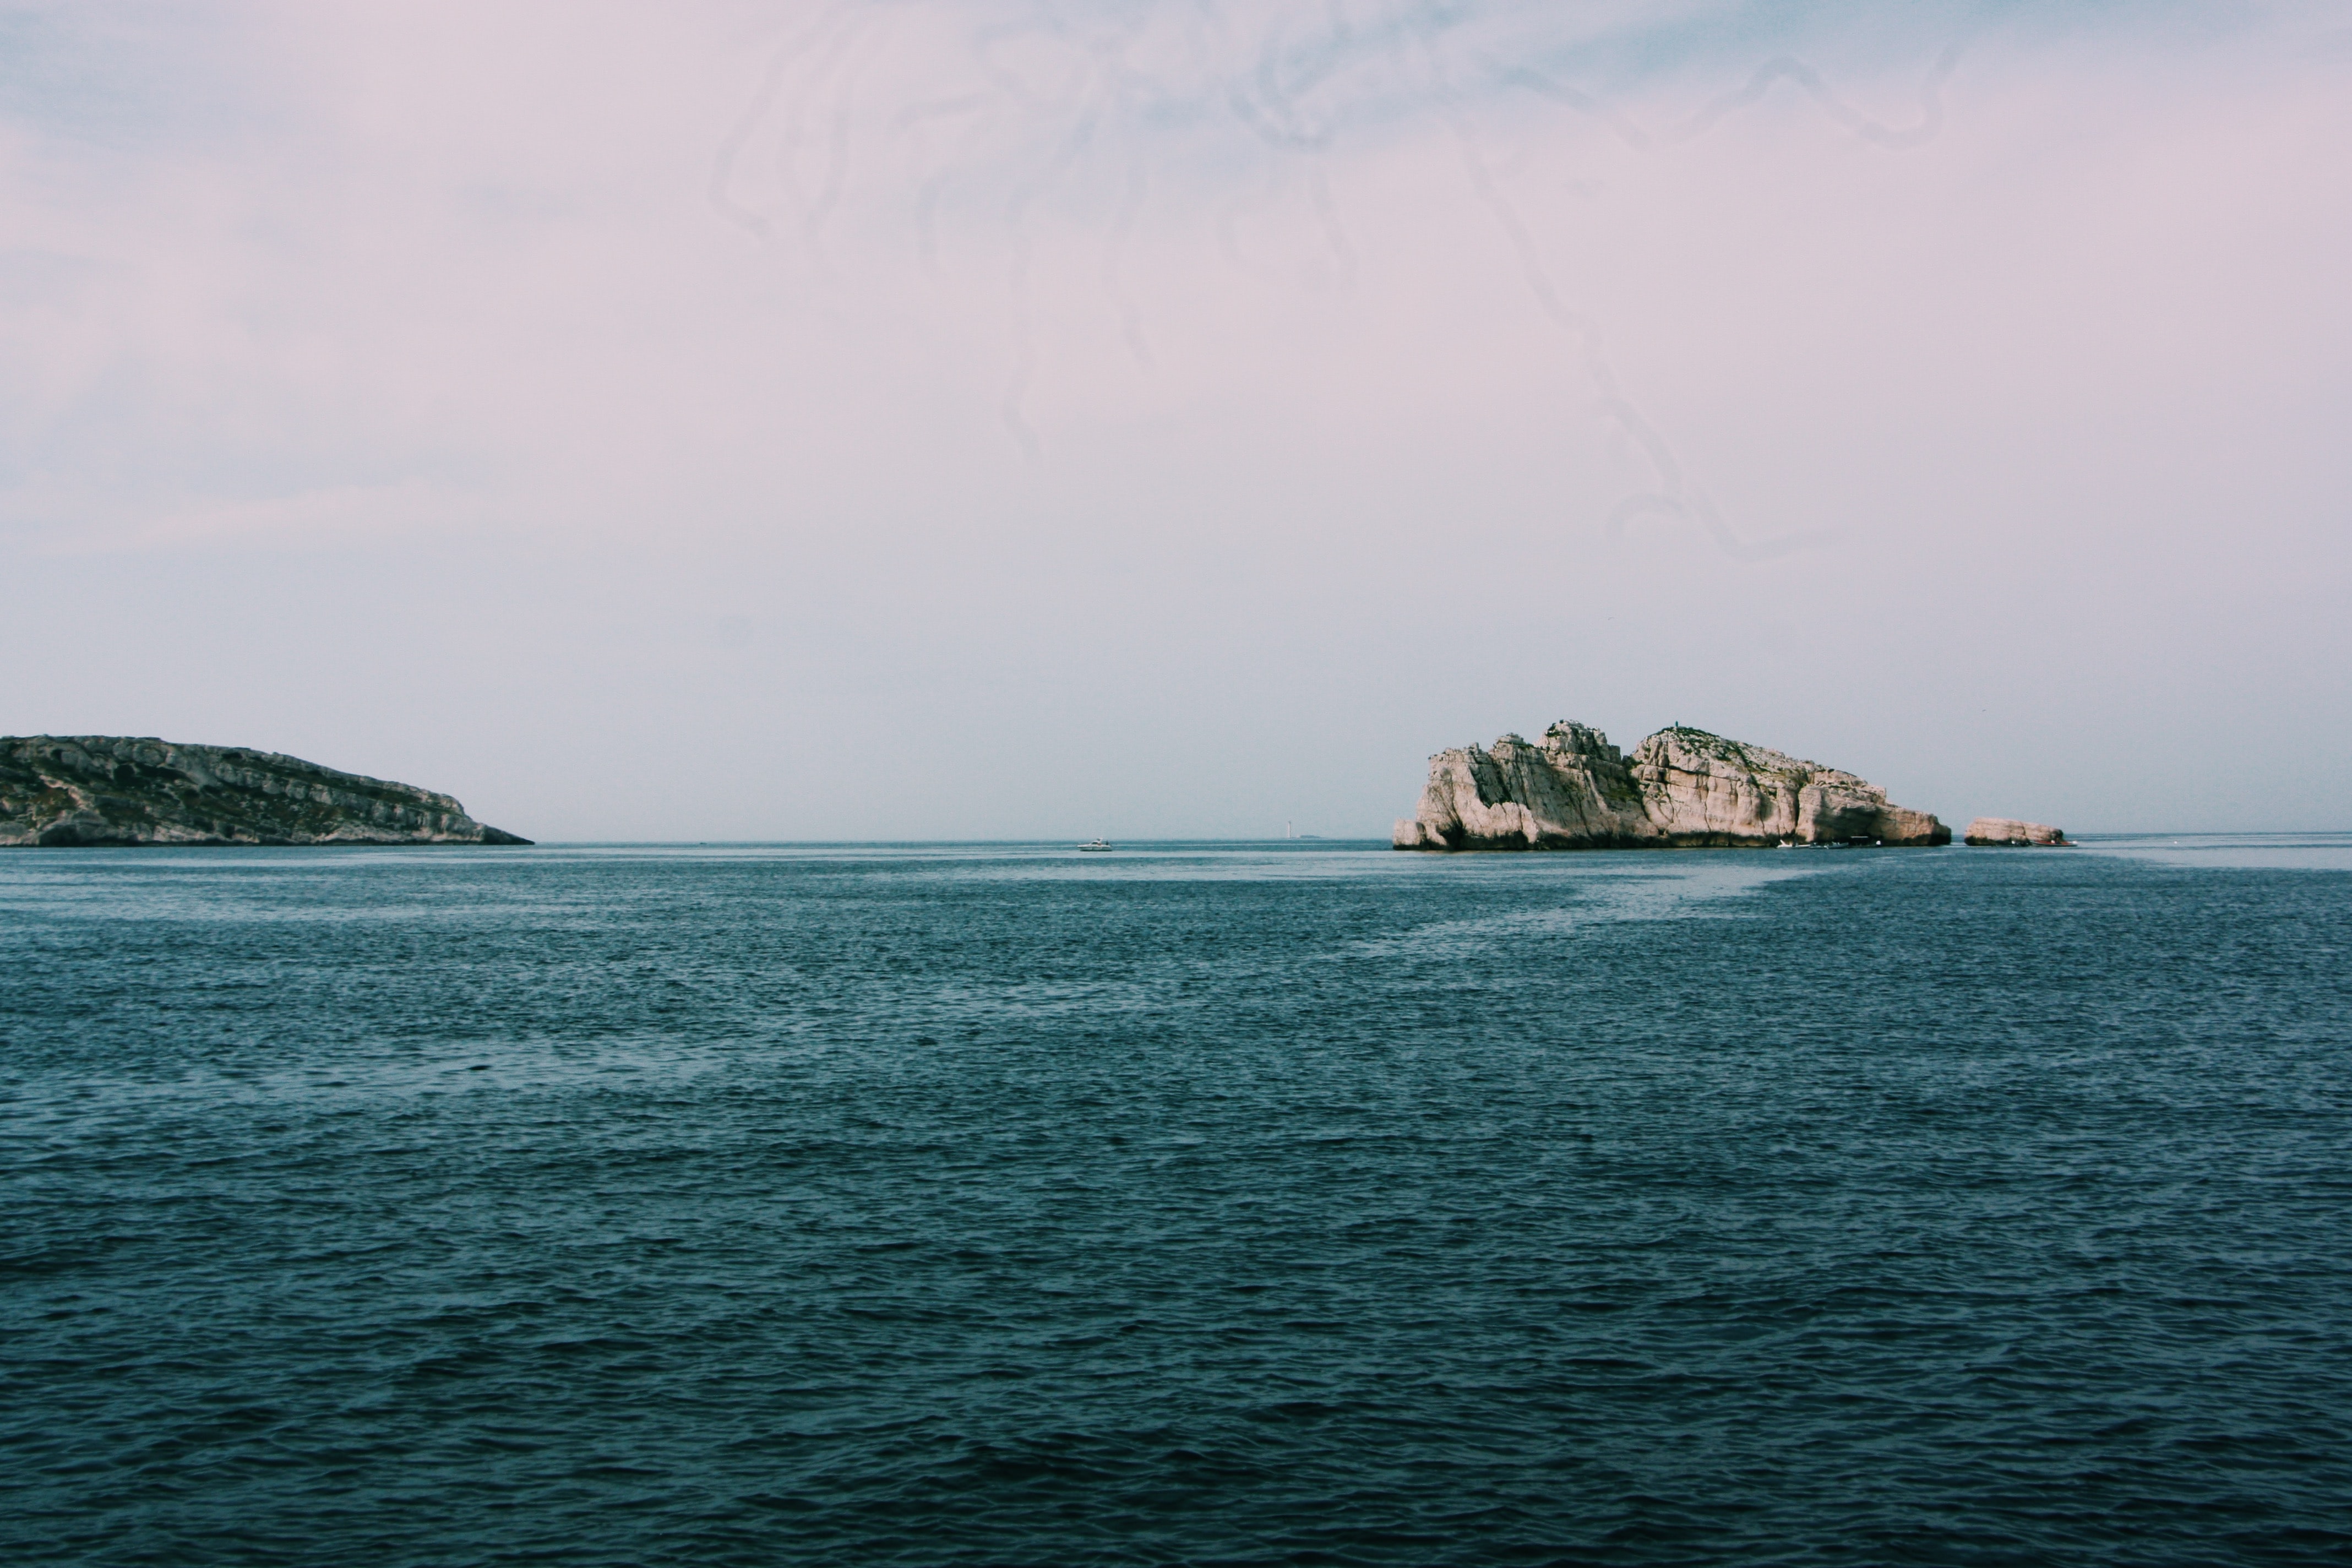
[(1682, 788), (2009, 831), (96, 789)]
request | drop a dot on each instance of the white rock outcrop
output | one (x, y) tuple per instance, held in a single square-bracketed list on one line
[(1682, 788), (2009, 830)]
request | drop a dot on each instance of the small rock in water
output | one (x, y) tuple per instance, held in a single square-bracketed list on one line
[(2009, 831)]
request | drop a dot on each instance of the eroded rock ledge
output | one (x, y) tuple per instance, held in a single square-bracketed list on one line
[(116, 789), (1682, 788)]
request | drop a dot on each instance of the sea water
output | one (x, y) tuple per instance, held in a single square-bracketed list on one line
[(1201, 1204)]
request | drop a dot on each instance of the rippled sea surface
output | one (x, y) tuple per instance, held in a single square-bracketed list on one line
[(1239, 1203)]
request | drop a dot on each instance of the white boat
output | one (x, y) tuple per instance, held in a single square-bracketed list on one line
[(1095, 846)]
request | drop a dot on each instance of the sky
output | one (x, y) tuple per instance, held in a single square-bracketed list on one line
[(1002, 419)]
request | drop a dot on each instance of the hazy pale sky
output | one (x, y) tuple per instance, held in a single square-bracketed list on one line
[(1003, 419)]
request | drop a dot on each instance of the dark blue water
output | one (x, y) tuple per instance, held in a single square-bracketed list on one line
[(1214, 1206)]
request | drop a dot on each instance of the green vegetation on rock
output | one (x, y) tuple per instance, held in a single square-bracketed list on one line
[(90, 790)]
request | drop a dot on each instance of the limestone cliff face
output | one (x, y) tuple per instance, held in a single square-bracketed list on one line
[(1705, 789), (2009, 830), (115, 789), (1682, 788)]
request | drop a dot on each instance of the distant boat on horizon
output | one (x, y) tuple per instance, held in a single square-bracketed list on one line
[(1095, 846)]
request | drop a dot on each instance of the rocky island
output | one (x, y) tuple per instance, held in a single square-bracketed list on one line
[(1682, 788), (2009, 831), (120, 790)]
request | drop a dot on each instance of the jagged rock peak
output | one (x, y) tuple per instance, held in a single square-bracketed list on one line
[(122, 789), (1682, 788), (1581, 740)]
